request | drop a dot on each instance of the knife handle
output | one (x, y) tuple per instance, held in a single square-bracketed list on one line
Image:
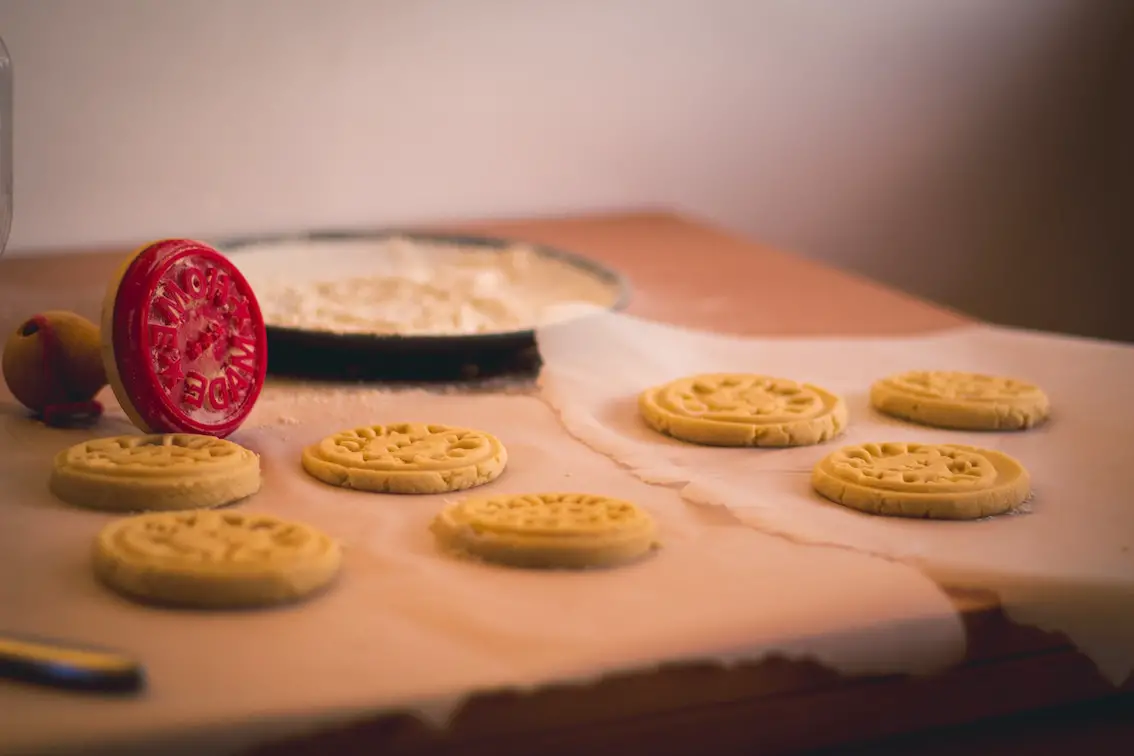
[(55, 664)]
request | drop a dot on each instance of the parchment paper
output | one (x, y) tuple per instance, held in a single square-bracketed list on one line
[(406, 627), (1067, 565)]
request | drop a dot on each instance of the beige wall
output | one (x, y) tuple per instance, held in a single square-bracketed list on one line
[(929, 143)]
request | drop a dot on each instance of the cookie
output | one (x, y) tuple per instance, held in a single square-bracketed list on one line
[(960, 401), (407, 458), (728, 409), (155, 472), (550, 530), (935, 481), (210, 559)]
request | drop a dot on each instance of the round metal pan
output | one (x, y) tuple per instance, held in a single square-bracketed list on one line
[(419, 357)]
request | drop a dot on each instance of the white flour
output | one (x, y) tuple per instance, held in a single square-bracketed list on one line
[(410, 287)]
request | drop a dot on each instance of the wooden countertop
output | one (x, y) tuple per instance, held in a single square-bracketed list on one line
[(687, 273)]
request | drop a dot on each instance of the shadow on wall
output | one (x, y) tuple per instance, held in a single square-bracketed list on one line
[(1033, 227)]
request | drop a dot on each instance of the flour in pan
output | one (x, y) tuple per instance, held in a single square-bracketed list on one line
[(406, 286)]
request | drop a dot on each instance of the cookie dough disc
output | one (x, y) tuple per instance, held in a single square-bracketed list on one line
[(407, 458), (937, 481), (727, 409), (155, 472), (212, 559), (565, 530), (961, 401)]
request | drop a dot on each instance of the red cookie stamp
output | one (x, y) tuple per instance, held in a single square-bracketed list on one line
[(183, 340)]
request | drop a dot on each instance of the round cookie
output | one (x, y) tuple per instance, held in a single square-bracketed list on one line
[(729, 409), (935, 481), (210, 559), (960, 401), (550, 530), (155, 472), (407, 458), (183, 340)]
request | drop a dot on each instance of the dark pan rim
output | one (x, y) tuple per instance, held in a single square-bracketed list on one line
[(233, 247)]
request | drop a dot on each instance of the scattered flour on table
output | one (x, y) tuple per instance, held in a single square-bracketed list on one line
[(283, 404)]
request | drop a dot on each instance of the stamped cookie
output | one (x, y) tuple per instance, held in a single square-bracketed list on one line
[(407, 458), (155, 472), (183, 340), (564, 530), (935, 481), (961, 401), (727, 409), (211, 559)]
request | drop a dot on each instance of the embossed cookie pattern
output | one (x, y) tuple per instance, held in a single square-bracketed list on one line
[(724, 409), (939, 481), (961, 401), (155, 472), (548, 530), (212, 559), (407, 458)]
